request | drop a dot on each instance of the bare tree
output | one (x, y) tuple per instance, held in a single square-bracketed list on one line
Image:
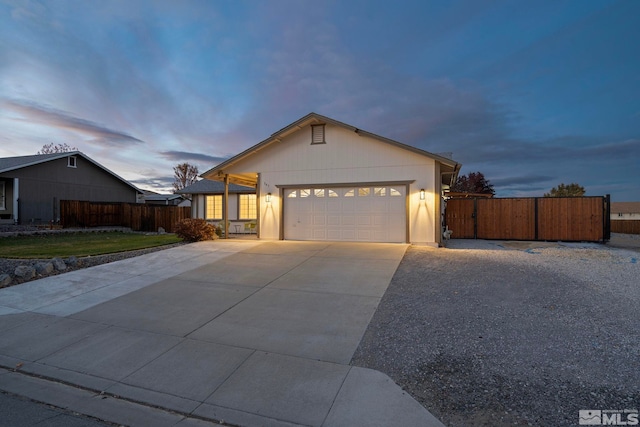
[(56, 148), (184, 175)]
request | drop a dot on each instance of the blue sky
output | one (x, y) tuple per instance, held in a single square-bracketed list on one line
[(530, 93)]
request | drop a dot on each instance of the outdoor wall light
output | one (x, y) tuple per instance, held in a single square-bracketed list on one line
[(268, 198), (422, 194)]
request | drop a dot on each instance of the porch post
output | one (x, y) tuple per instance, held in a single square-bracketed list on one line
[(225, 206)]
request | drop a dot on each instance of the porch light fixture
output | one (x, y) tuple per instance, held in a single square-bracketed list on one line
[(422, 194), (268, 198)]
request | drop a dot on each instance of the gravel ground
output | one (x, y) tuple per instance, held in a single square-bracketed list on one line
[(511, 333)]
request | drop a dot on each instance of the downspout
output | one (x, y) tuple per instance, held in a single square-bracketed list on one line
[(438, 209), (225, 206), (258, 205), (16, 197)]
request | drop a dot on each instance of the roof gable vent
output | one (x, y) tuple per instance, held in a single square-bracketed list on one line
[(317, 134)]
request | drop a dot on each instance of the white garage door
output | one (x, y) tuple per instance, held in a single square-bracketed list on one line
[(362, 214)]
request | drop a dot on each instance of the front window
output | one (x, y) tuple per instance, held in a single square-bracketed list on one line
[(248, 206), (71, 161), (213, 206)]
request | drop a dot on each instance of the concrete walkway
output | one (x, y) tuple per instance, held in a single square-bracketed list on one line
[(246, 332)]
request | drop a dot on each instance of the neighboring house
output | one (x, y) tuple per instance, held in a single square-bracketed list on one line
[(320, 179), (151, 198), (625, 210), (31, 187), (207, 203)]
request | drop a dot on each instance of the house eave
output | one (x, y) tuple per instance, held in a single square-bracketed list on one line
[(218, 173), (68, 154)]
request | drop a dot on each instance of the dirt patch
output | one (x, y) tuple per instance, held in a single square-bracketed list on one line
[(625, 241)]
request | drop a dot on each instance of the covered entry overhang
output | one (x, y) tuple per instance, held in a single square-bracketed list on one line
[(244, 179)]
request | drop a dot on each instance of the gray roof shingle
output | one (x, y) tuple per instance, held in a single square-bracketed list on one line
[(207, 186)]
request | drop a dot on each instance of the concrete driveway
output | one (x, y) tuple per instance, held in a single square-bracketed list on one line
[(246, 332)]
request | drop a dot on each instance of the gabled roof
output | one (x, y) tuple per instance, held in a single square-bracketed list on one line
[(625, 207), (157, 197), (207, 186), (311, 118), (8, 164)]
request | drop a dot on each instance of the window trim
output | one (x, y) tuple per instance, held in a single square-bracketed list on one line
[(72, 162), (241, 216), (314, 133), (206, 207)]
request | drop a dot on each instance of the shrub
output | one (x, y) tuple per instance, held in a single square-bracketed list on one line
[(195, 230)]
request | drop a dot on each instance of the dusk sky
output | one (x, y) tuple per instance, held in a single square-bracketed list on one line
[(530, 93)]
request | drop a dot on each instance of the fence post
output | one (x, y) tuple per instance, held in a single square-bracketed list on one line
[(535, 217), (607, 218), (475, 217)]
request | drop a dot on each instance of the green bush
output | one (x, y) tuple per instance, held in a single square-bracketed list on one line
[(195, 230)]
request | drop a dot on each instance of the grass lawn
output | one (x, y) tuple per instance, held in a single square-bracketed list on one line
[(79, 244)]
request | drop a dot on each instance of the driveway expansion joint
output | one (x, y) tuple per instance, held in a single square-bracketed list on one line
[(106, 394)]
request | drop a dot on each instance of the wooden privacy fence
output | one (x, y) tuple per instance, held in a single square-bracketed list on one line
[(628, 226), (137, 216), (532, 218)]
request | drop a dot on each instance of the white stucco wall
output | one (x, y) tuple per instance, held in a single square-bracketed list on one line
[(346, 158)]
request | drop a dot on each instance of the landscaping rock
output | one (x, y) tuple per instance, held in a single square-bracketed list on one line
[(44, 267), (25, 272), (161, 230), (72, 261), (5, 280), (7, 266), (59, 264)]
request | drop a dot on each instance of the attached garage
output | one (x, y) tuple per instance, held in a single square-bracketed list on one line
[(366, 213), (321, 179)]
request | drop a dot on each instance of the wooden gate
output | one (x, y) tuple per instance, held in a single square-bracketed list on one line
[(460, 216), (531, 218)]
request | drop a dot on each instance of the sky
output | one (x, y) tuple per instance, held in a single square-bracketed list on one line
[(532, 93)]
